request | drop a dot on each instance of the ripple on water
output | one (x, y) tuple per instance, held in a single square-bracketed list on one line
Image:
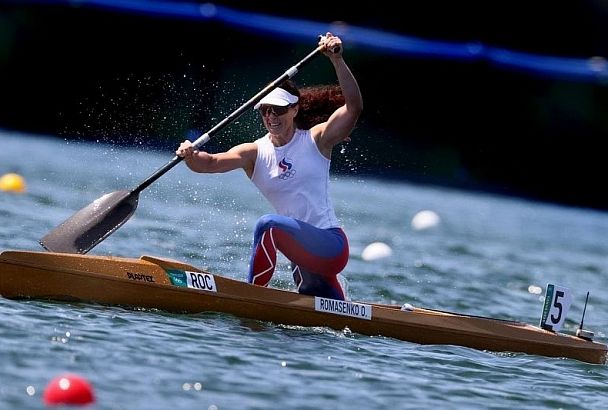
[(482, 259)]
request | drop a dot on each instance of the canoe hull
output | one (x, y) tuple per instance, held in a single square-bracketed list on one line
[(154, 283)]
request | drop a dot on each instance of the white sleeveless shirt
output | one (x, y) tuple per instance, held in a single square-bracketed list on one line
[(295, 179)]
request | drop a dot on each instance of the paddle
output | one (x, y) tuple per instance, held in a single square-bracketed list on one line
[(95, 222)]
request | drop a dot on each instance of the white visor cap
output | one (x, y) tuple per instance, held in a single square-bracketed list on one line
[(278, 96)]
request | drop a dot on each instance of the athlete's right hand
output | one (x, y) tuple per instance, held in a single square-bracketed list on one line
[(186, 150)]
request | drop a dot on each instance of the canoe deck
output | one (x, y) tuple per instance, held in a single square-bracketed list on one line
[(174, 286)]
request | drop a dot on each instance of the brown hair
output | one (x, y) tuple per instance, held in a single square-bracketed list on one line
[(316, 103)]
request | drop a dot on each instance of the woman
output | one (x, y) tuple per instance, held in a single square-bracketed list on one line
[(290, 166)]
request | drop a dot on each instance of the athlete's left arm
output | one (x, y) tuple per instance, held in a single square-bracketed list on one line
[(342, 121)]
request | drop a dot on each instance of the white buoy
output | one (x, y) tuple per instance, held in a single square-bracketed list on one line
[(425, 220), (376, 250)]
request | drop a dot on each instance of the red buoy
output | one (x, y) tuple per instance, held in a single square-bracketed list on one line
[(68, 389)]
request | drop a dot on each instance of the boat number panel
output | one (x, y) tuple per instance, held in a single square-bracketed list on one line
[(557, 304), (192, 280), (344, 308)]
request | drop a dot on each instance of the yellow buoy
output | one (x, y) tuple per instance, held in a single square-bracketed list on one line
[(12, 183)]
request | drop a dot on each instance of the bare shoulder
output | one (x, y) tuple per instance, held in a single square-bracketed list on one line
[(245, 156), (246, 150), (316, 131), (324, 144)]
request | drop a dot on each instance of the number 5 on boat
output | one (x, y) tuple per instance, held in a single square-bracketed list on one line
[(557, 303)]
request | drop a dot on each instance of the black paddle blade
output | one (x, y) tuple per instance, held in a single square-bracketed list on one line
[(92, 224)]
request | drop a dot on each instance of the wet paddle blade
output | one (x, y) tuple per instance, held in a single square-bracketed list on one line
[(92, 224)]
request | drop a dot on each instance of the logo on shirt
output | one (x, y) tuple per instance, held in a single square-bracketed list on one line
[(287, 170)]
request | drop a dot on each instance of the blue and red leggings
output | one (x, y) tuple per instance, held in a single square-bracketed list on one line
[(316, 255)]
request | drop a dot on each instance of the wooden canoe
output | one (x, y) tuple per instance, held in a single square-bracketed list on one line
[(173, 286)]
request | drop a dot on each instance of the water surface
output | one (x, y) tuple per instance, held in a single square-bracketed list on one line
[(488, 256)]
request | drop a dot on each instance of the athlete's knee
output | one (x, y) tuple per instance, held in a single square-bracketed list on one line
[(313, 284), (264, 223)]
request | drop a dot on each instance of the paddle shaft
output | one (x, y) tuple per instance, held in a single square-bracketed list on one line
[(203, 139), (92, 224)]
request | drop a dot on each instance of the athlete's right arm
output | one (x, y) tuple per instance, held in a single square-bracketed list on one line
[(240, 156)]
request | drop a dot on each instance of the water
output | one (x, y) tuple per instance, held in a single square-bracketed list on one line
[(488, 256)]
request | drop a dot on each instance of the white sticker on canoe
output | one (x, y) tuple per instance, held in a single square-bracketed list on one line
[(201, 281), (344, 308)]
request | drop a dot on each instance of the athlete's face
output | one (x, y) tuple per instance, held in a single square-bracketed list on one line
[(278, 118)]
